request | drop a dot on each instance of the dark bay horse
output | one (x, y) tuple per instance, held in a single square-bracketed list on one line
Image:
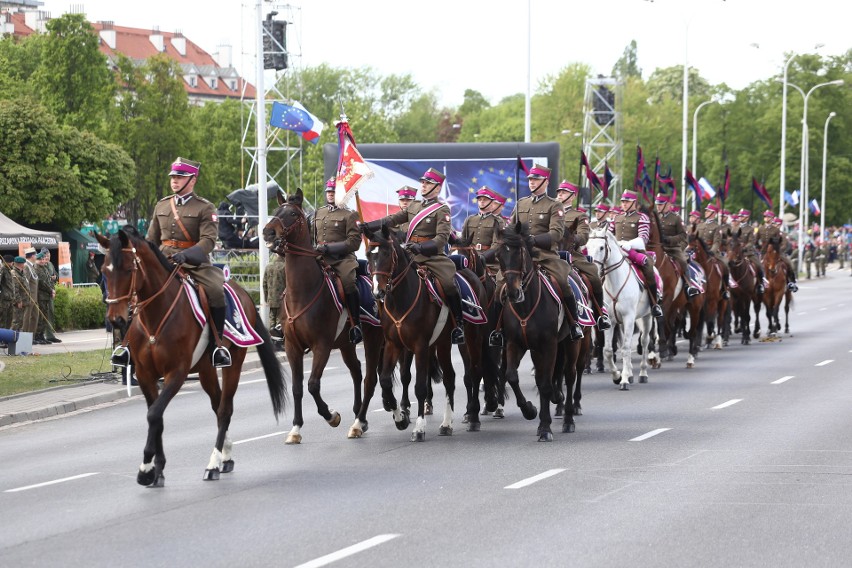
[(743, 293), (412, 321), (312, 322), (776, 290), (166, 341), (532, 320), (715, 307), (674, 296)]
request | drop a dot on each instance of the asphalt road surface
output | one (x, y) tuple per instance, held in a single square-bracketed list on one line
[(745, 460)]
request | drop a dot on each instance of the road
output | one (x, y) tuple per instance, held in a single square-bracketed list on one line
[(745, 460)]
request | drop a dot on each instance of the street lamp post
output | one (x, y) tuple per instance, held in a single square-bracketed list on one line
[(803, 197), (824, 159), (695, 139), (784, 139)]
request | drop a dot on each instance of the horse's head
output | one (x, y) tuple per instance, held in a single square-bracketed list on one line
[(389, 259), (603, 248), (288, 223), (515, 261), (570, 233)]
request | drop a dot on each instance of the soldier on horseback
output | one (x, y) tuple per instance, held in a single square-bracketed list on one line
[(710, 231), (336, 234), (480, 229), (674, 243), (747, 238), (771, 232), (632, 231), (544, 220), (601, 212), (566, 193), (428, 232)]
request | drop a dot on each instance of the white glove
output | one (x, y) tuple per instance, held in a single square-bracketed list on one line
[(637, 244), (624, 245)]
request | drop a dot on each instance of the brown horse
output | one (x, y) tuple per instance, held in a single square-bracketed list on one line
[(715, 306), (743, 291), (312, 321), (166, 341), (776, 289)]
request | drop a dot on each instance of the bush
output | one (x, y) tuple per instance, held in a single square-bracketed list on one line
[(79, 308)]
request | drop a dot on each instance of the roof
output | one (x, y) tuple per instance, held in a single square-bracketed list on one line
[(12, 234)]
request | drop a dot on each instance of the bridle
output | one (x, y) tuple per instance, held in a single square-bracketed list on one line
[(281, 244), (391, 282), (525, 272)]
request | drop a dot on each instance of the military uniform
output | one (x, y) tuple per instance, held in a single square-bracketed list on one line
[(809, 257), (769, 232), (8, 295), (822, 259), (45, 295), (629, 227), (544, 218), (21, 295), (92, 272), (581, 263), (481, 231), (31, 316), (274, 284)]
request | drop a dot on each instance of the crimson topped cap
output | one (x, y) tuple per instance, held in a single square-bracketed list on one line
[(674, 208), (331, 183), (184, 168), (744, 213), (433, 176), (769, 213), (486, 191), (662, 198), (406, 192), (712, 207), (603, 207), (616, 210), (567, 186), (582, 210), (500, 198), (628, 196), (778, 220), (695, 213), (539, 172), (726, 213)]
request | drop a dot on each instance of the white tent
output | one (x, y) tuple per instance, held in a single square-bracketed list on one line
[(11, 234)]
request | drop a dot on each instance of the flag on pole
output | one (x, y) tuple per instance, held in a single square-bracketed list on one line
[(795, 200), (295, 117), (594, 180), (726, 185), (708, 192), (352, 170), (608, 177), (693, 185), (815, 207), (792, 201), (761, 192), (639, 178)]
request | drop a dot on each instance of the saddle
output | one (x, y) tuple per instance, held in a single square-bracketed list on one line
[(472, 311), (364, 282), (237, 326)]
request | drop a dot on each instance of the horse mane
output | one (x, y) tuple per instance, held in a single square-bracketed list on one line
[(514, 238), (136, 238)]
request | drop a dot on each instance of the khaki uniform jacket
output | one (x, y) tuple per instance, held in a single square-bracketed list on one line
[(581, 237), (765, 233), (201, 221), (544, 215), (274, 281), (434, 227), (674, 233), (481, 231), (710, 232), (339, 225), (8, 289), (627, 226)]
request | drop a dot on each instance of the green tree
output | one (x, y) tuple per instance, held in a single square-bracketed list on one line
[(18, 61), (628, 64), (218, 129)]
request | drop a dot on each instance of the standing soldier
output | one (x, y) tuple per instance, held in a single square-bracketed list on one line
[(274, 283), (480, 230), (428, 232), (8, 291), (21, 294), (632, 231), (92, 271), (565, 194), (30, 322), (44, 295), (673, 235), (337, 238), (809, 256), (822, 257), (185, 227), (50, 314)]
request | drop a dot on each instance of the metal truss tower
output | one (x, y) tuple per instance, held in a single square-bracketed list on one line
[(602, 130)]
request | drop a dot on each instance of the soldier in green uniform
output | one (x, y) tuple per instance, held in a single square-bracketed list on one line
[(565, 193), (673, 235), (21, 293), (481, 230), (770, 231), (710, 231), (8, 289), (337, 237), (809, 256), (45, 294), (30, 322), (747, 238), (429, 230), (822, 257), (544, 220), (185, 226), (92, 270), (274, 284)]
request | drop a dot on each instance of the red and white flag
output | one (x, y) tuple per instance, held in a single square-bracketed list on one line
[(352, 170)]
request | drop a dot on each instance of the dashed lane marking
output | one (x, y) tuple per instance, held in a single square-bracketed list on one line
[(824, 363), (782, 380), (650, 434), (534, 478), (259, 438), (726, 404), (54, 482), (348, 551)]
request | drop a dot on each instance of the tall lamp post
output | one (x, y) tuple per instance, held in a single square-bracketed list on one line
[(784, 139), (824, 159), (695, 141), (803, 197)]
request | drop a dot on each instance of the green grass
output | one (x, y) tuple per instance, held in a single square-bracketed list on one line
[(30, 373)]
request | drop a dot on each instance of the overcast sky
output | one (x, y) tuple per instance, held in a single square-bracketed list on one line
[(449, 46)]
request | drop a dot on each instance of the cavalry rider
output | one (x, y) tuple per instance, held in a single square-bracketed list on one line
[(337, 237), (710, 231), (601, 212), (480, 229), (544, 220), (428, 232), (566, 193), (632, 231), (405, 195), (615, 212), (694, 219), (769, 231), (673, 235), (740, 222), (185, 226)]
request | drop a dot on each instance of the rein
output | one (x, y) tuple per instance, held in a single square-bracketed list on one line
[(392, 282), (526, 277), (606, 270)]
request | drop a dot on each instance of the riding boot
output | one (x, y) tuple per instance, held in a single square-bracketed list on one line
[(353, 303), (455, 305), (792, 285), (221, 355), (575, 331), (602, 322), (760, 276), (691, 291)]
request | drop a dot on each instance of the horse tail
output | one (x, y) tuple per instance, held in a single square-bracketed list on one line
[(272, 369), (435, 372)]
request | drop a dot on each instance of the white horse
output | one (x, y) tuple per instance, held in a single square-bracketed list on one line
[(627, 302)]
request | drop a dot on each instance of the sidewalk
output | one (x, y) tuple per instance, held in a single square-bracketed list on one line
[(60, 400)]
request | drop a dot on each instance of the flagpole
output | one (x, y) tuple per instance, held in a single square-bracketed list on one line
[(260, 102)]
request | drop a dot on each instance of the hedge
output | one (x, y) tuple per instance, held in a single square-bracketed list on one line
[(79, 308)]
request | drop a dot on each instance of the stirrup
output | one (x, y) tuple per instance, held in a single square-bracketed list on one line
[(692, 291), (604, 323), (355, 334), (457, 336), (759, 289), (657, 311), (792, 286), (495, 339), (120, 356), (221, 357), (575, 332), (276, 333)]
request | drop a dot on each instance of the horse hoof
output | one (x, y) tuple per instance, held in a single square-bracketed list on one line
[(403, 424), (690, 365), (227, 466), (427, 409), (445, 431), (568, 427), (334, 421), (599, 368), (559, 410), (389, 405), (529, 410), (354, 433), (211, 474), (643, 378), (616, 379), (159, 481), (545, 436), (293, 439), (473, 426), (623, 387), (145, 478), (466, 419), (418, 436), (498, 414), (578, 410), (630, 379)]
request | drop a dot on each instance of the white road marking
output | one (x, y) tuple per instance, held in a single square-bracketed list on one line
[(782, 380), (726, 404), (534, 478), (650, 434), (54, 482), (348, 551), (823, 309), (802, 313), (259, 438), (824, 363)]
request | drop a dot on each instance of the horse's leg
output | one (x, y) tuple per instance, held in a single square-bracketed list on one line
[(608, 352), (757, 302), (514, 355), (153, 456), (628, 322), (560, 368), (600, 341), (788, 297), (445, 359), (422, 354), (645, 325), (391, 356), (490, 377), (405, 377), (321, 355), (350, 359), (221, 459), (297, 372), (573, 370), (373, 341), (544, 359), (472, 354)]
